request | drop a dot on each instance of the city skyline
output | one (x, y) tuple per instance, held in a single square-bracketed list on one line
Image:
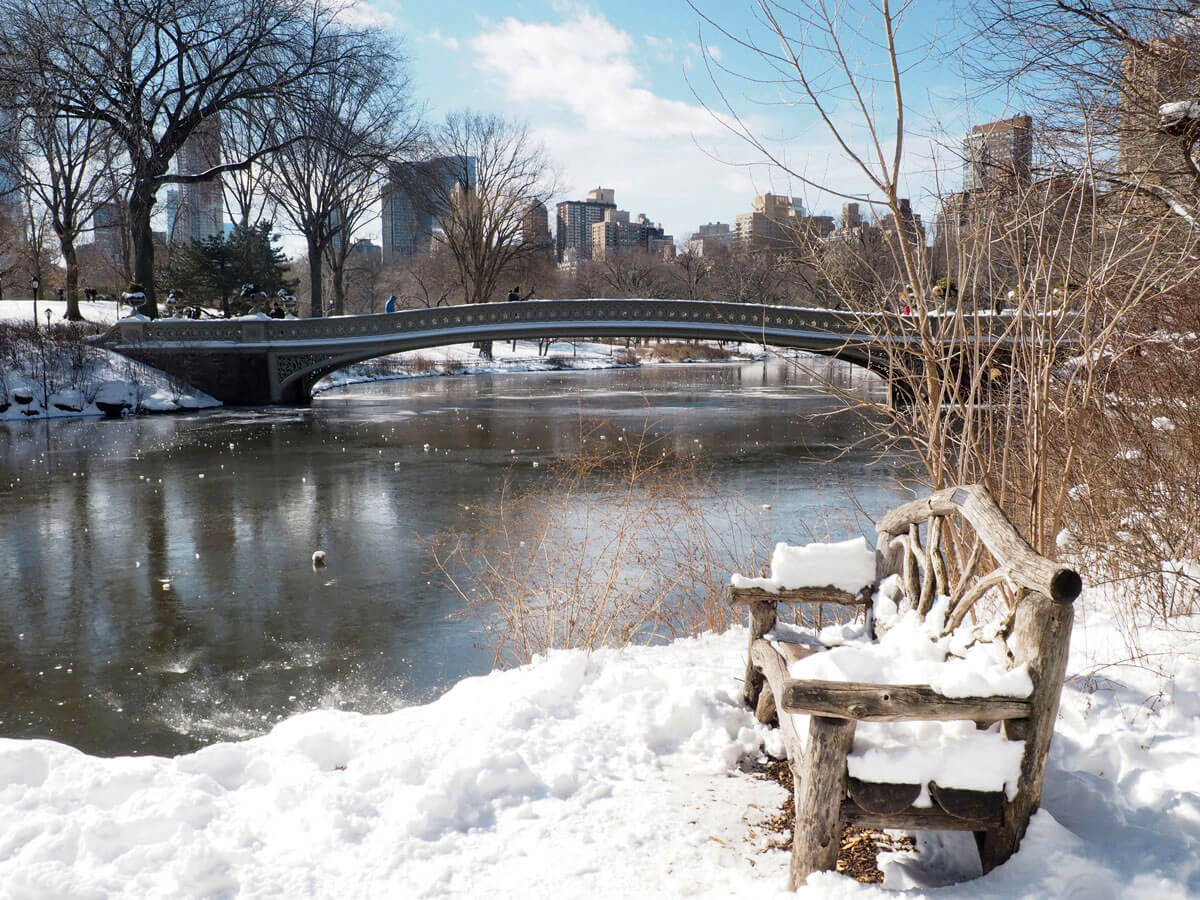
[(612, 92)]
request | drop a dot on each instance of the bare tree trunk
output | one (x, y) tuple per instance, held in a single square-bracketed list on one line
[(72, 260), (141, 202), (315, 308)]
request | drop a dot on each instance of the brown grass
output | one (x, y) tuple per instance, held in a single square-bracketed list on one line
[(627, 542), (680, 352)]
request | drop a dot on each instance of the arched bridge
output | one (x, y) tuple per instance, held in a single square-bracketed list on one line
[(260, 361)]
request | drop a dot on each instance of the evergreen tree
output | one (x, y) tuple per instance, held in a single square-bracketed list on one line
[(212, 272)]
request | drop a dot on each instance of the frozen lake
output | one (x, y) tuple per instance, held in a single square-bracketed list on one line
[(159, 594)]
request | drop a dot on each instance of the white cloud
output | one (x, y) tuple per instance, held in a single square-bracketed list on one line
[(584, 65), (714, 51), (447, 41), (664, 48), (576, 83), (362, 14)]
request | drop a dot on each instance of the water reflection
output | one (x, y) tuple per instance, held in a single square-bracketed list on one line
[(159, 591)]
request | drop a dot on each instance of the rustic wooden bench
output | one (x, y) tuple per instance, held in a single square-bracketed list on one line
[(1033, 629)]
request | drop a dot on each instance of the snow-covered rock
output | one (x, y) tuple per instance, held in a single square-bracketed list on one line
[(70, 400)]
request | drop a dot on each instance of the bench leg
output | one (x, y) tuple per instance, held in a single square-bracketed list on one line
[(765, 710), (762, 620), (752, 685), (820, 789), (997, 844)]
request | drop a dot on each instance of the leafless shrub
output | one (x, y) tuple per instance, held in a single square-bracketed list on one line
[(419, 363), (677, 352), (627, 542), (1046, 396)]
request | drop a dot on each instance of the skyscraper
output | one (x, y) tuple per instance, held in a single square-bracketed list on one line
[(414, 197), (575, 220), (199, 207), (535, 228), (998, 155), (1163, 71)]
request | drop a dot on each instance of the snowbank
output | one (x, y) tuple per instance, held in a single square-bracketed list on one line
[(609, 775)]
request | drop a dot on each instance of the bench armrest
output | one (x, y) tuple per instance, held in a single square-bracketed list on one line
[(894, 703), (746, 596)]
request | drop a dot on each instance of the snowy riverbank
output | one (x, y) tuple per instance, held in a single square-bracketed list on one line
[(617, 774)]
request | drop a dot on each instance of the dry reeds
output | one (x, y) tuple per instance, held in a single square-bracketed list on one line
[(629, 541)]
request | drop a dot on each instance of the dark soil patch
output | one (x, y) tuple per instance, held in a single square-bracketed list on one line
[(860, 846)]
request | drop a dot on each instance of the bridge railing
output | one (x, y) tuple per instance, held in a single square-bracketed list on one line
[(755, 321)]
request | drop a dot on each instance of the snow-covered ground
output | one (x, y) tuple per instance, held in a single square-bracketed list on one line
[(47, 384), (611, 774)]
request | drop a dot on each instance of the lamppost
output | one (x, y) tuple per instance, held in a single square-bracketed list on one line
[(35, 283)]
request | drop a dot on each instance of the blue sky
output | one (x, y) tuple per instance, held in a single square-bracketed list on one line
[(611, 90)]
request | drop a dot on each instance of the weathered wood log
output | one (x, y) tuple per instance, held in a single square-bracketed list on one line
[(1040, 637), (762, 620), (968, 572), (829, 594), (892, 702), (910, 578), (889, 555), (877, 797), (937, 558), (1009, 549), (765, 710), (774, 672), (968, 599), (819, 798), (972, 805), (912, 819)]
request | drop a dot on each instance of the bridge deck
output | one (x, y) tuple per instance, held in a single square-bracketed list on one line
[(261, 360)]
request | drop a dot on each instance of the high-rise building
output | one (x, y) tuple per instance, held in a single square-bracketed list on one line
[(617, 233), (998, 155), (1163, 71), (199, 206), (413, 199), (535, 229), (573, 238), (906, 223), (710, 239), (778, 222), (108, 227)]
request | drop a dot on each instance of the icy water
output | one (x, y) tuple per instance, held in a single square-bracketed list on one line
[(158, 592)]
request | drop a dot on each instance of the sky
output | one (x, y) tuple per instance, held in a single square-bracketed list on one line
[(627, 95)]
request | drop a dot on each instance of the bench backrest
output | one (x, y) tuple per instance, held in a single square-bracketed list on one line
[(1037, 631)]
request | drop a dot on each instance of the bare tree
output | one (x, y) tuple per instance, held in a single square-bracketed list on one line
[(425, 280), (690, 274), (246, 190), (364, 278), (326, 180), (990, 398), (154, 70), (632, 272), (1117, 83), (67, 164), (488, 175)]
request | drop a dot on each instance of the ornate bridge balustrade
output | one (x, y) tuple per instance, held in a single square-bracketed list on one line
[(277, 361)]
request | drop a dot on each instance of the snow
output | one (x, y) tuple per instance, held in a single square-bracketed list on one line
[(911, 650), (609, 774), (951, 754), (1162, 423), (848, 566), (1180, 109)]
